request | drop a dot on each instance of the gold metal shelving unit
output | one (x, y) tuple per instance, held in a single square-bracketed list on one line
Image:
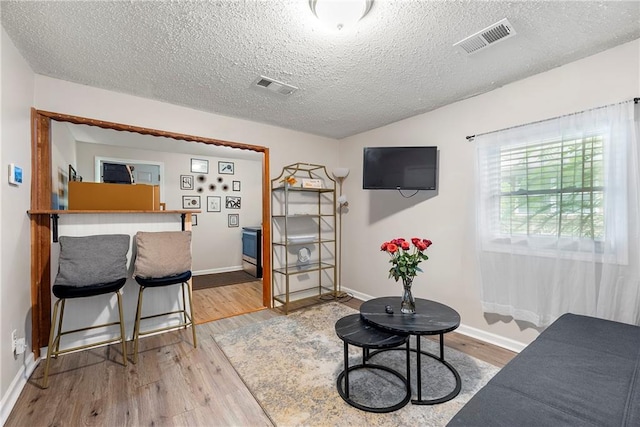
[(304, 244)]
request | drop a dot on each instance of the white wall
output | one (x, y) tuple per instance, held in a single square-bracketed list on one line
[(15, 256), (216, 247), (286, 146), (448, 218)]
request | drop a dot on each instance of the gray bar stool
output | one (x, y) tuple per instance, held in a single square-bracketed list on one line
[(355, 331), (88, 266), (163, 259)]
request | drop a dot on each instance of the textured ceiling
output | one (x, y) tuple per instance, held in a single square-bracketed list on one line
[(395, 63)]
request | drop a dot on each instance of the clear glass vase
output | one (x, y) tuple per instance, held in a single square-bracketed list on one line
[(408, 304)]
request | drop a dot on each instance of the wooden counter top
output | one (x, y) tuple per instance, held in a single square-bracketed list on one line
[(63, 212)]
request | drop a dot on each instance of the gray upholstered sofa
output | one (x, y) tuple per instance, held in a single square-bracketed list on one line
[(581, 371)]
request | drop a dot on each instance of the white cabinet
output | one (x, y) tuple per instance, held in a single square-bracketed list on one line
[(303, 217)]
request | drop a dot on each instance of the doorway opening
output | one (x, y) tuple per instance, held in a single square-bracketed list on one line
[(41, 211)]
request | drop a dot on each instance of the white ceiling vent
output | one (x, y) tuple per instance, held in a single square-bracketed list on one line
[(499, 31), (275, 86)]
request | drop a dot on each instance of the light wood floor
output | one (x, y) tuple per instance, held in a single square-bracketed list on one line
[(226, 301), (173, 383)]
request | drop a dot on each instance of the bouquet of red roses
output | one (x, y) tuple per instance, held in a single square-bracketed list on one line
[(405, 256)]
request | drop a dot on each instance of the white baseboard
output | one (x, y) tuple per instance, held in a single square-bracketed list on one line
[(490, 338), (15, 388), (469, 331), (217, 270), (356, 294)]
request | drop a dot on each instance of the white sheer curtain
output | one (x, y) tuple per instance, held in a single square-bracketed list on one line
[(537, 274)]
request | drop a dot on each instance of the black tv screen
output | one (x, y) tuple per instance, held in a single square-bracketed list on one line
[(116, 173), (400, 168)]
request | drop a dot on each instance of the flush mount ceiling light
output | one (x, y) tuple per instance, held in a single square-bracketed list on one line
[(338, 14)]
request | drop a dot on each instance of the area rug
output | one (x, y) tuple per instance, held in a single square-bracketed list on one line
[(207, 281), (291, 364)]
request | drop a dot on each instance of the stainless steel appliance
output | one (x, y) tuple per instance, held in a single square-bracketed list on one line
[(252, 250)]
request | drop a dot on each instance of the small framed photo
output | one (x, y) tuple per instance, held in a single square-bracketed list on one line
[(194, 220), (236, 185), (199, 166), (214, 203), (190, 202), (232, 202), (225, 168), (186, 182), (234, 220)]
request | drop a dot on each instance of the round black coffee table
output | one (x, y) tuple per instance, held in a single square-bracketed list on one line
[(430, 318)]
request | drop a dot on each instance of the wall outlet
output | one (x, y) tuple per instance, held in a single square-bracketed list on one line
[(18, 345), (21, 345)]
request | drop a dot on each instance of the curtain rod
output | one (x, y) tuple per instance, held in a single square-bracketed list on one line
[(471, 137)]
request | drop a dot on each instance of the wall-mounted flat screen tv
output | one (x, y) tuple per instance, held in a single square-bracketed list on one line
[(400, 168)]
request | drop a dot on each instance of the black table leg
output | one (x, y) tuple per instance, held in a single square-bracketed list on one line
[(456, 389), (418, 370), (346, 370)]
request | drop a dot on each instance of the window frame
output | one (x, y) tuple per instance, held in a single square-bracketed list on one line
[(547, 245)]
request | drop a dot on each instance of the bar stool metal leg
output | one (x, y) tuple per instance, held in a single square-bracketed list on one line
[(184, 306), (193, 325), (136, 326), (57, 342), (122, 336), (45, 379)]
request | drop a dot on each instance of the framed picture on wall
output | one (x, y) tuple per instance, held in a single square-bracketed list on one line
[(232, 202), (194, 219), (190, 202), (225, 168), (214, 203), (236, 185), (234, 220), (199, 166), (186, 182)]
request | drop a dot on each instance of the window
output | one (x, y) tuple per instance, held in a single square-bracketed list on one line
[(557, 217), (553, 189)]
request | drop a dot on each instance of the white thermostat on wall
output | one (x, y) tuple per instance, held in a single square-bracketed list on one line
[(15, 174)]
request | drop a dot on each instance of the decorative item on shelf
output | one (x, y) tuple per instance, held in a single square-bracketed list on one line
[(304, 256), (311, 183), (405, 258), (289, 181), (302, 238)]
